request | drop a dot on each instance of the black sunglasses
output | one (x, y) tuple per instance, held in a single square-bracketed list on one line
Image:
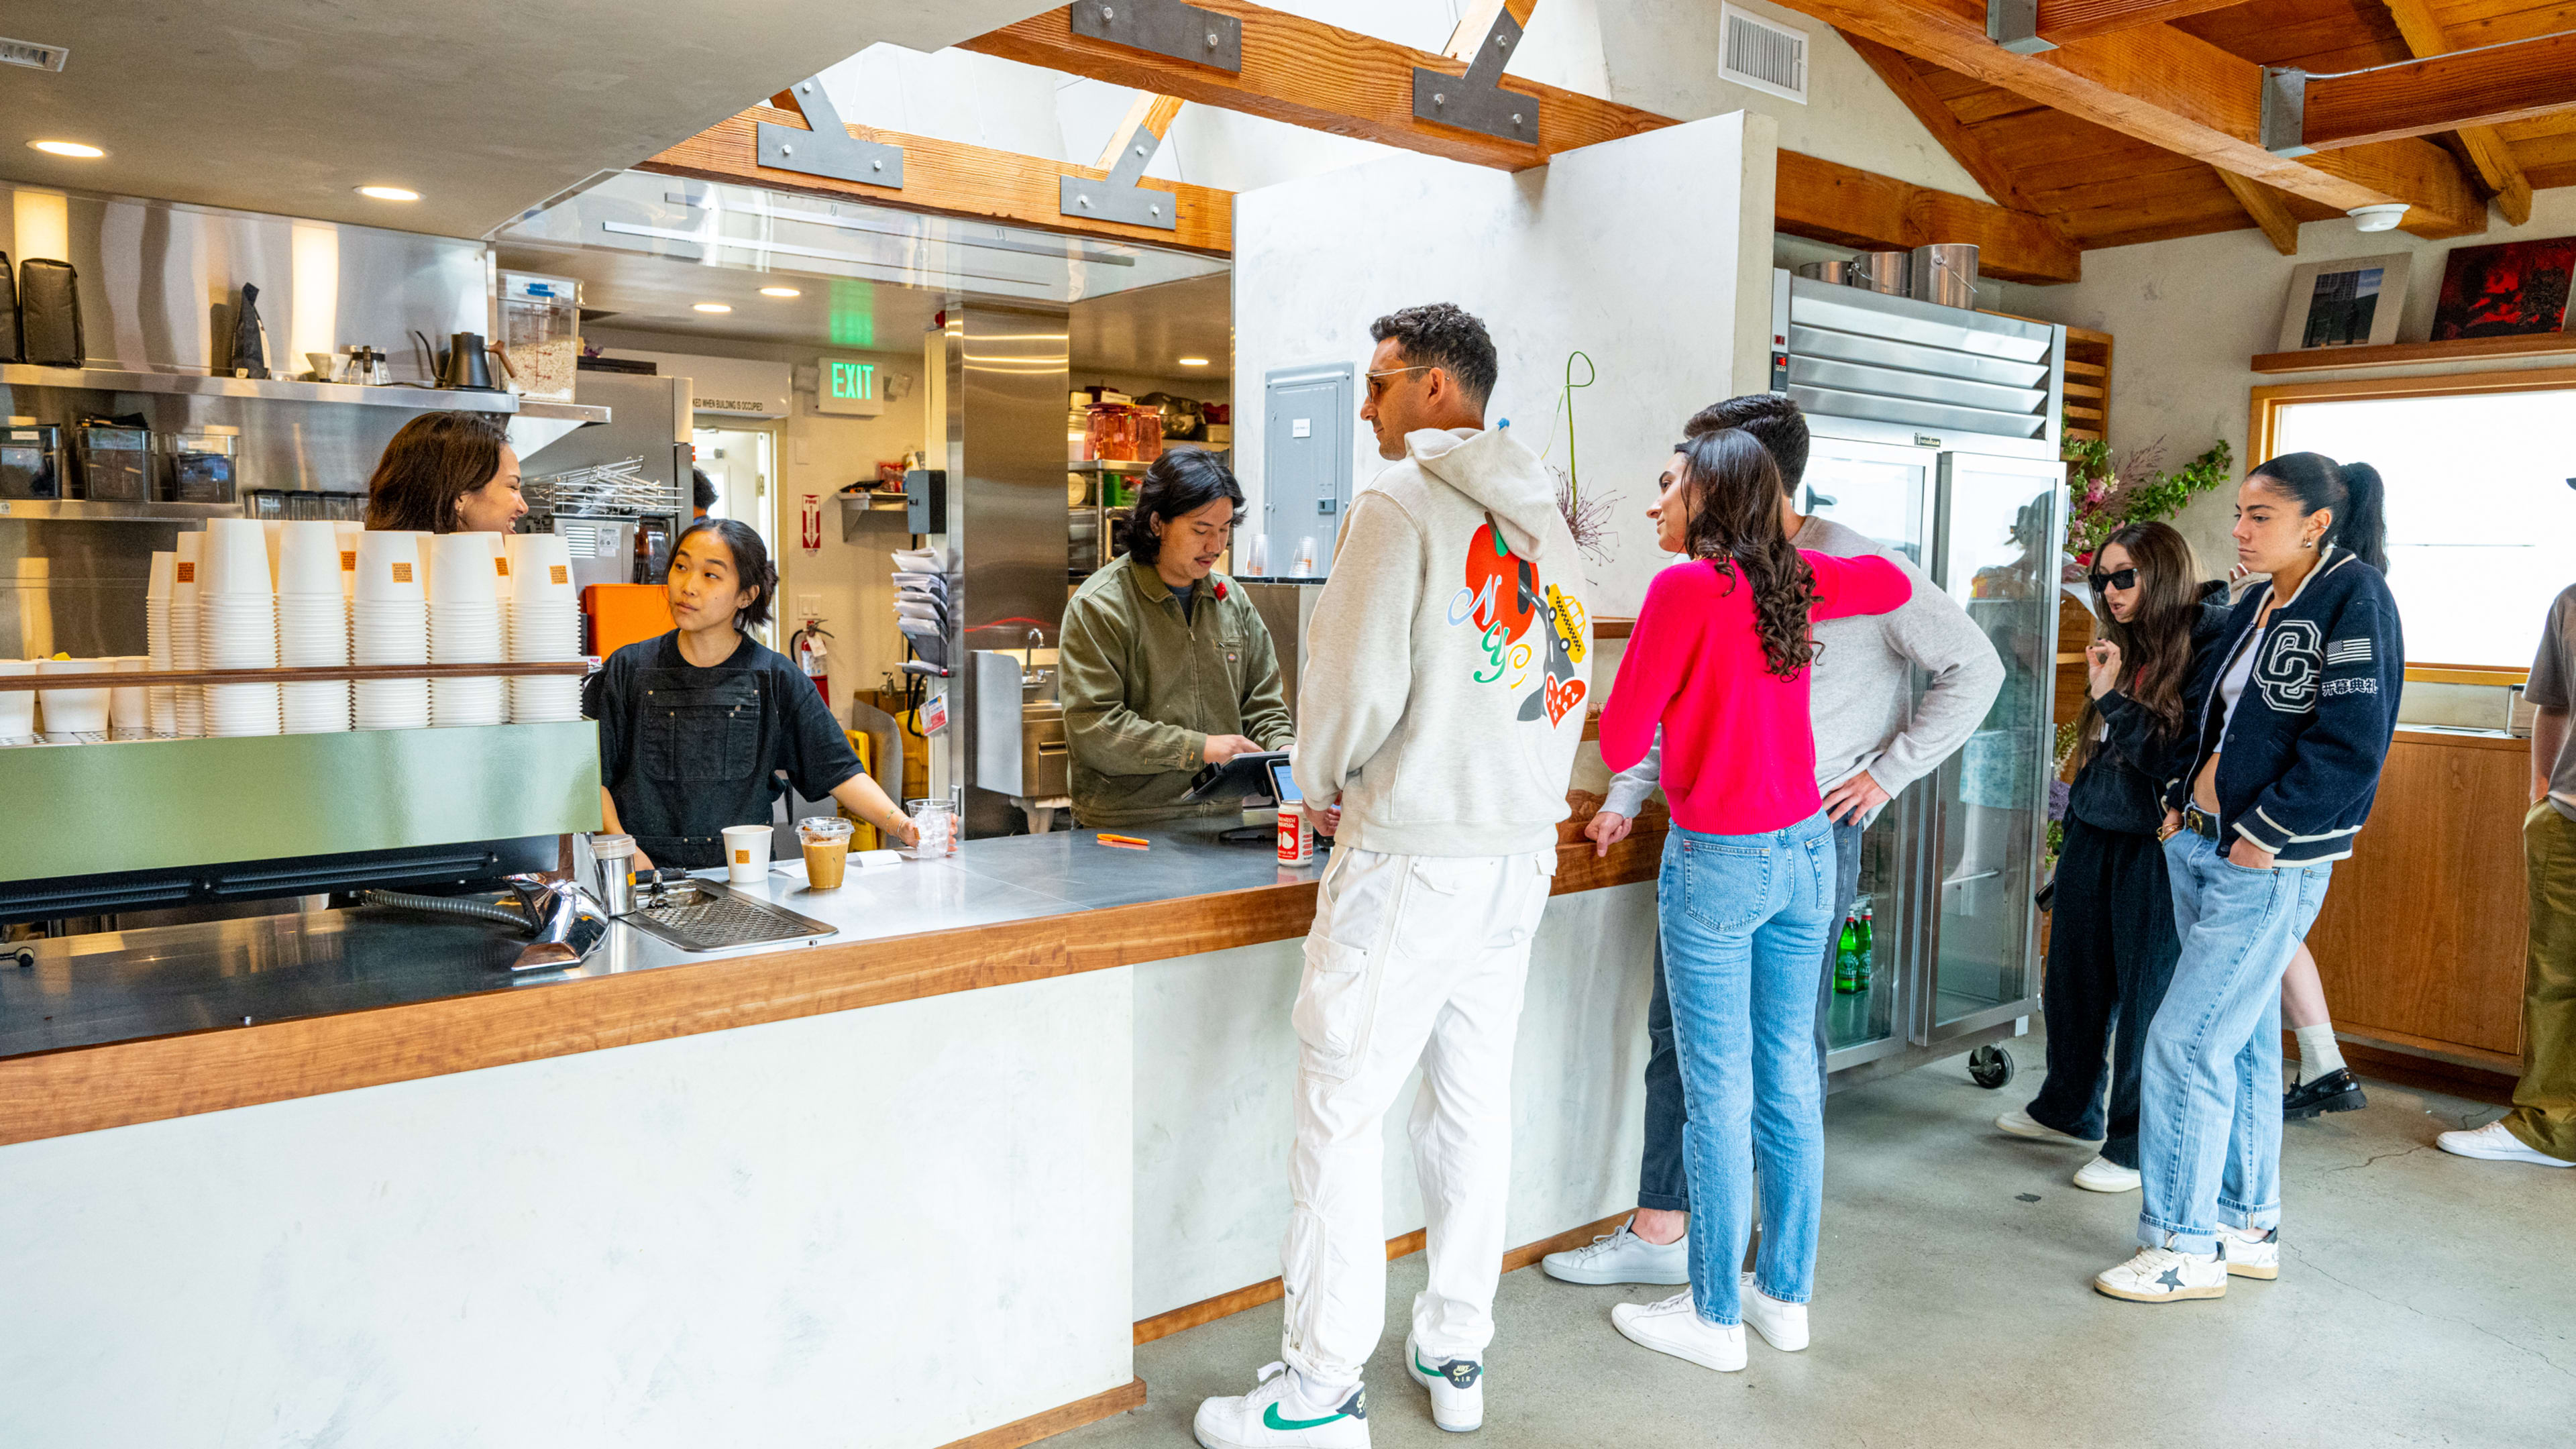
[(2125, 579)]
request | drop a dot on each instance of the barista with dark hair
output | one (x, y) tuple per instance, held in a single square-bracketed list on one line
[(1165, 666), (447, 472)]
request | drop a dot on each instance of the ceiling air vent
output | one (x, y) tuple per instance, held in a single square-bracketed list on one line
[(1763, 54), (33, 56)]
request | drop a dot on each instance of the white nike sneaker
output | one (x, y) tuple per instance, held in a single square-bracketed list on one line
[(1782, 1325), (2496, 1143), (2021, 1124), (1621, 1257), (1675, 1327), (2104, 1175), (1457, 1387), (2254, 1256), (2162, 1275), (1278, 1413)]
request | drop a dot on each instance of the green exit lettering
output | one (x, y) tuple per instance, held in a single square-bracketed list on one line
[(855, 381)]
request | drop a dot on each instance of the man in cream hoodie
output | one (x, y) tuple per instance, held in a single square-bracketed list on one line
[(1441, 713)]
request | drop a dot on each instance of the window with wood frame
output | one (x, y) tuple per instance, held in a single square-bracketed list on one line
[(2481, 472)]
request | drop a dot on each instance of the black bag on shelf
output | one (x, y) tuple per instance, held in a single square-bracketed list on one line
[(8, 311), (49, 321)]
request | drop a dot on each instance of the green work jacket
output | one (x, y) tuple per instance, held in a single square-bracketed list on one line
[(1143, 688)]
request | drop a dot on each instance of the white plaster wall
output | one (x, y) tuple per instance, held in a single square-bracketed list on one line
[(896, 1226), (2187, 316), (1671, 301), (1216, 1073)]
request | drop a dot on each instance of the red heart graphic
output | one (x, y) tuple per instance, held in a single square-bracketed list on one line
[(1562, 697)]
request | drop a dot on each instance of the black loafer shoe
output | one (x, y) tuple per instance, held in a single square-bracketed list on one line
[(2336, 1091)]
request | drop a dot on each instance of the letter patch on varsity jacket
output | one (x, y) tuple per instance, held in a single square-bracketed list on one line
[(2287, 672)]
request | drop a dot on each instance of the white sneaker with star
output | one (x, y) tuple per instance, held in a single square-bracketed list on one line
[(2251, 1254), (1782, 1325), (2163, 1275), (1673, 1326), (2495, 1142), (1457, 1387), (2103, 1175), (1621, 1257), (1278, 1413)]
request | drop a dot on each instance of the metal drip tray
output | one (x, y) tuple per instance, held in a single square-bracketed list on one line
[(700, 915)]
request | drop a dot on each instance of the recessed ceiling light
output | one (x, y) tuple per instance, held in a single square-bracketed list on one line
[(1194, 362), (710, 307), (388, 193), (780, 292), (66, 148)]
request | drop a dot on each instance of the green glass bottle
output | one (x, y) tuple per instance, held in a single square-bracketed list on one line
[(1847, 960), (1868, 965)]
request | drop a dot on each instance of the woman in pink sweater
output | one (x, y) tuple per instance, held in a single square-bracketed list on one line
[(1719, 660)]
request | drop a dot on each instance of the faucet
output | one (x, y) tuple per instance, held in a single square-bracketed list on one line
[(1032, 677), (569, 925)]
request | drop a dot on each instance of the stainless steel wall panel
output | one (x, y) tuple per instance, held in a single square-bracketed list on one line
[(1926, 386), (1911, 413), (1886, 352)]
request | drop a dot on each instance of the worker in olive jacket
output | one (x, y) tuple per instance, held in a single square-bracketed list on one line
[(1166, 667)]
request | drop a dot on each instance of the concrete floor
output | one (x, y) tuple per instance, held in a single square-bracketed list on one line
[(2423, 1299)]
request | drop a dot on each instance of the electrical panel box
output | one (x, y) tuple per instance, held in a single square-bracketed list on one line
[(1307, 417), (925, 500)]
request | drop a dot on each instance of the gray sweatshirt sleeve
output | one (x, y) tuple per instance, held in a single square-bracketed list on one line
[(1362, 675), (1939, 637), (1630, 787)]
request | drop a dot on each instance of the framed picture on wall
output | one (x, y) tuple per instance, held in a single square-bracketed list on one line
[(2346, 303), (2512, 289)]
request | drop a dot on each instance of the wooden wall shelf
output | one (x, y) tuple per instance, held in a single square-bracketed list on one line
[(2411, 354)]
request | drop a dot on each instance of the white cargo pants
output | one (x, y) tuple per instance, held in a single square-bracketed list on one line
[(1412, 958)]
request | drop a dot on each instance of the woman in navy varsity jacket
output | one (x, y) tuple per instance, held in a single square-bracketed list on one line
[(2299, 703)]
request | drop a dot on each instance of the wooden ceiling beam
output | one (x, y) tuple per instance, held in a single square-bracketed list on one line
[(2177, 92), (1324, 78), (2065, 20), (1477, 21), (2488, 151), (1900, 76), (1150, 115), (2487, 87), (2264, 205), (947, 178)]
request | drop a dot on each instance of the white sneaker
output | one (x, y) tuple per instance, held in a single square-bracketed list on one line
[(2162, 1275), (2021, 1124), (2104, 1175), (1674, 1327), (1457, 1388), (1782, 1325), (1621, 1257), (2255, 1256), (1277, 1413), (2496, 1143)]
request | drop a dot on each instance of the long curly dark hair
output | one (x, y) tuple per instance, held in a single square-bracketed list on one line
[(1732, 489), (2155, 646)]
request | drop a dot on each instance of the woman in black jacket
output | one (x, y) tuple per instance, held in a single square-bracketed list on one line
[(2283, 765), (2111, 941)]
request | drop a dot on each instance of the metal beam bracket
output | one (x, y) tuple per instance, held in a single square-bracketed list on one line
[(1477, 101), (2014, 25), (2285, 111), (1166, 28), (1117, 197), (828, 149)]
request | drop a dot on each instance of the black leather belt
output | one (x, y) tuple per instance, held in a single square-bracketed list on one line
[(2200, 822)]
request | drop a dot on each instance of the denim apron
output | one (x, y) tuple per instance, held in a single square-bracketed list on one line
[(700, 765)]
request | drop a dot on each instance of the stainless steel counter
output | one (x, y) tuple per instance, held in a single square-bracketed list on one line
[(123, 986)]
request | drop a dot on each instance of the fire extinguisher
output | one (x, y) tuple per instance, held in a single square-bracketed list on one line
[(806, 647)]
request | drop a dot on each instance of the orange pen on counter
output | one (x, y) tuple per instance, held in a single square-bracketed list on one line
[(1124, 842)]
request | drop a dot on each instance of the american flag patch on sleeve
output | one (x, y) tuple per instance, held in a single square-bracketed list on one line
[(2348, 651)]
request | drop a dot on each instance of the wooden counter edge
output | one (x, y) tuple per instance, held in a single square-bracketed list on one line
[(85, 1089), (1050, 1422)]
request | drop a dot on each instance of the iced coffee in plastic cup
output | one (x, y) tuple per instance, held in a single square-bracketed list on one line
[(826, 839)]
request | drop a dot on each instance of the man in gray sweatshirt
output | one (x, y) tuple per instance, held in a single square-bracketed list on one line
[(1867, 751), (1440, 714)]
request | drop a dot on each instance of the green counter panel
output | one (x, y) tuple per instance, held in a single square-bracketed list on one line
[(159, 804)]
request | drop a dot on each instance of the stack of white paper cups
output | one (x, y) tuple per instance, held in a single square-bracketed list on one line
[(187, 701), (312, 625), (465, 626), (544, 624), (161, 709), (129, 710), (237, 602), (389, 624), (72, 716)]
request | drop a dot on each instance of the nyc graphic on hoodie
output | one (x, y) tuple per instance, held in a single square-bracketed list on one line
[(1450, 672)]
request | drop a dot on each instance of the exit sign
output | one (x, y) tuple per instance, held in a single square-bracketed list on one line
[(848, 386)]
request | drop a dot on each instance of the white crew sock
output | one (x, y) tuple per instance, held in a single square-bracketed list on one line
[(2318, 1053), (1326, 1397)]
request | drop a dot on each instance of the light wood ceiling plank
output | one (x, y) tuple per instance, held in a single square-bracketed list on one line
[(2264, 205), (2065, 20), (1897, 71), (2443, 93), (2489, 153)]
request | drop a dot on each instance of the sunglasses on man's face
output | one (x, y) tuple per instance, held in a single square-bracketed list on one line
[(2124, 579)]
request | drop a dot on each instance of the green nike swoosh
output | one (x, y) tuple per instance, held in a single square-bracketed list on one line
[(1270, 1419), (1420, 1367)]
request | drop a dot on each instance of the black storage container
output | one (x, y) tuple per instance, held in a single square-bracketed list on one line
[(49, 323)]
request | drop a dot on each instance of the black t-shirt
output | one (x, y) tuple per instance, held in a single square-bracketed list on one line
[(686, 751)]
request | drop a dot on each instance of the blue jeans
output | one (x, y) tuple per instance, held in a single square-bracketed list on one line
[(1744, 919), (2209, 1108)]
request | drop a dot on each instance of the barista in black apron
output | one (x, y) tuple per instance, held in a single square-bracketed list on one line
[(703, 727)]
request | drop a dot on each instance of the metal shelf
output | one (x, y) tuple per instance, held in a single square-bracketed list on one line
[(414, 399), (67, 509)]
